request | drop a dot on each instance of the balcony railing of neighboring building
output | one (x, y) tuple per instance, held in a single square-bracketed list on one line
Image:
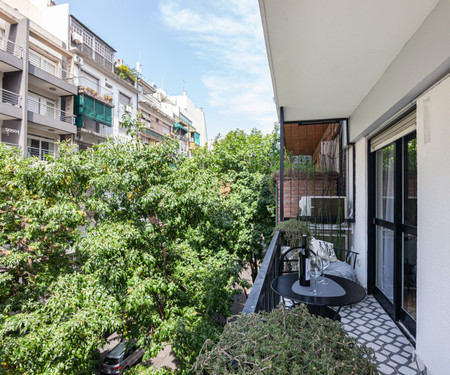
[(89, 45), (10, 97), (262, 297), (49, 67), (96, 127), (39, 152), (12, 48), (92, 88), (150, 100), (50, 111)]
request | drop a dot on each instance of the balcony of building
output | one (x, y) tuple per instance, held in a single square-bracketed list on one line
[(93, 116), (366, 320), (48, 75), (45, 113), (10, 105), (93, 89), (11, 56), (89, 45)]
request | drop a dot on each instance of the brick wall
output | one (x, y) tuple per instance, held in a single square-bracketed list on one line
[(300, 184)]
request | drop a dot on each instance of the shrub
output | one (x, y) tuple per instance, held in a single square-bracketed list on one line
[(284, 342), (293, 231)]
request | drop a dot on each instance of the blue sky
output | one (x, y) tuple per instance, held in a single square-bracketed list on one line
[(214, 49)]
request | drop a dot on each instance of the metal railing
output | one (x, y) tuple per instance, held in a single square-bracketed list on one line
[(50, 111), (96, 127), (150, 100), (49, 67), (39, 152), (92, 88), (12, 48), (262, 297), (10, 97)]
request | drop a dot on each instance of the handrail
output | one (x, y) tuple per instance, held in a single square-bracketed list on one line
[(150, 100), (49, 67), (12, 48), (261, 296), (10, 97), (50, 111), (39, 152), (96, 90)]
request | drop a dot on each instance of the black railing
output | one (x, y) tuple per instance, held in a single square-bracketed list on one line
[(261, 297)]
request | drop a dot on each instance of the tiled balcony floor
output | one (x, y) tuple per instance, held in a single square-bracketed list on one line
[(369, 323)]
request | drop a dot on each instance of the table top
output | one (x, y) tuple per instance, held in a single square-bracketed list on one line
[(287, 286)]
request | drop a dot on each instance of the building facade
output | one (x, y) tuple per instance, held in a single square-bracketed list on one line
[(37, 86)]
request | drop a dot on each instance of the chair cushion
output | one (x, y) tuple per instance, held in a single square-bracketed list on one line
[(341, 269), (319, 246)]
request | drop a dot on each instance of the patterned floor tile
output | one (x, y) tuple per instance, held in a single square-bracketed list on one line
[(369, 323)]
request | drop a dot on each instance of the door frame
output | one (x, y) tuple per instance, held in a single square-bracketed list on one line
[(393, 309)]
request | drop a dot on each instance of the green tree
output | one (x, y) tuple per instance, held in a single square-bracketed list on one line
[(243, 163), (122, 238)]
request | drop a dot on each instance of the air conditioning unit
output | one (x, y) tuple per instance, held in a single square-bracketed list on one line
[(128, 108), (323, 206), (78, 60), (77, 38)]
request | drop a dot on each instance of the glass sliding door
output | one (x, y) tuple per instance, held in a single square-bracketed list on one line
[(394, 230)]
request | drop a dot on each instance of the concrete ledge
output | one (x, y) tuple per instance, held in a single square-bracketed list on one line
[(52, 123), (10, 110), (53, 80)]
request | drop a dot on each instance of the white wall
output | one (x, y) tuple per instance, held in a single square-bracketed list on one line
[(359, 240), (433, 253), (196, 115), (422, 62)]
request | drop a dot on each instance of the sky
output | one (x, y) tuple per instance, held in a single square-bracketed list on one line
[(212, 48)]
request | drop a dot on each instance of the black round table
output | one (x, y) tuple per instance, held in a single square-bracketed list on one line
[(318, 304)]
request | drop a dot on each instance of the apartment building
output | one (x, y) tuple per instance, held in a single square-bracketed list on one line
[(37, 87), (158, 124), (197, 117)]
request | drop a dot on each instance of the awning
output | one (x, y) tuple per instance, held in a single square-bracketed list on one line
[(197, 138), (179, 126)]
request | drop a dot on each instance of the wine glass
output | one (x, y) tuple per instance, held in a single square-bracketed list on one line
[(325, 254), (315, 269)]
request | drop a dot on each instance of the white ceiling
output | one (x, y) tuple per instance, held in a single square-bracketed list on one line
[(326, 55)]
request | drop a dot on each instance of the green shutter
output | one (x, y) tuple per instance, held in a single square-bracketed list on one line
[(99, 112), (108, 115), (88, 107)]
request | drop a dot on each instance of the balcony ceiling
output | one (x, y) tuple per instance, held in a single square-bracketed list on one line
[(326, 55)]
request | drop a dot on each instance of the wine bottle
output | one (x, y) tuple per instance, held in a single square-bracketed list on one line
[(303, 257)]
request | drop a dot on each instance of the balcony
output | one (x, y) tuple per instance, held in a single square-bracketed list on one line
[(10, 105), (48, 115), (150, 100), (93, 89), (46, 74), (11, 56), (39, 152), (367, 321)]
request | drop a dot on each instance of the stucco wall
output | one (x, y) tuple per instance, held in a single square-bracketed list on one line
[(422, 62), (433, 253)]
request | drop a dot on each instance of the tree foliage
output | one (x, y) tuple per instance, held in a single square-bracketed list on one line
[(243, 163), (125, 238)]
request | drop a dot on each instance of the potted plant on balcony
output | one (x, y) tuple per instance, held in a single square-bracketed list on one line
[(126, 73), (293, 230), (107, 98)]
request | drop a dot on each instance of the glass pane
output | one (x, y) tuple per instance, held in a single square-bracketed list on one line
[(384, 278), (410, 211), (409, 274), (385, 159)]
